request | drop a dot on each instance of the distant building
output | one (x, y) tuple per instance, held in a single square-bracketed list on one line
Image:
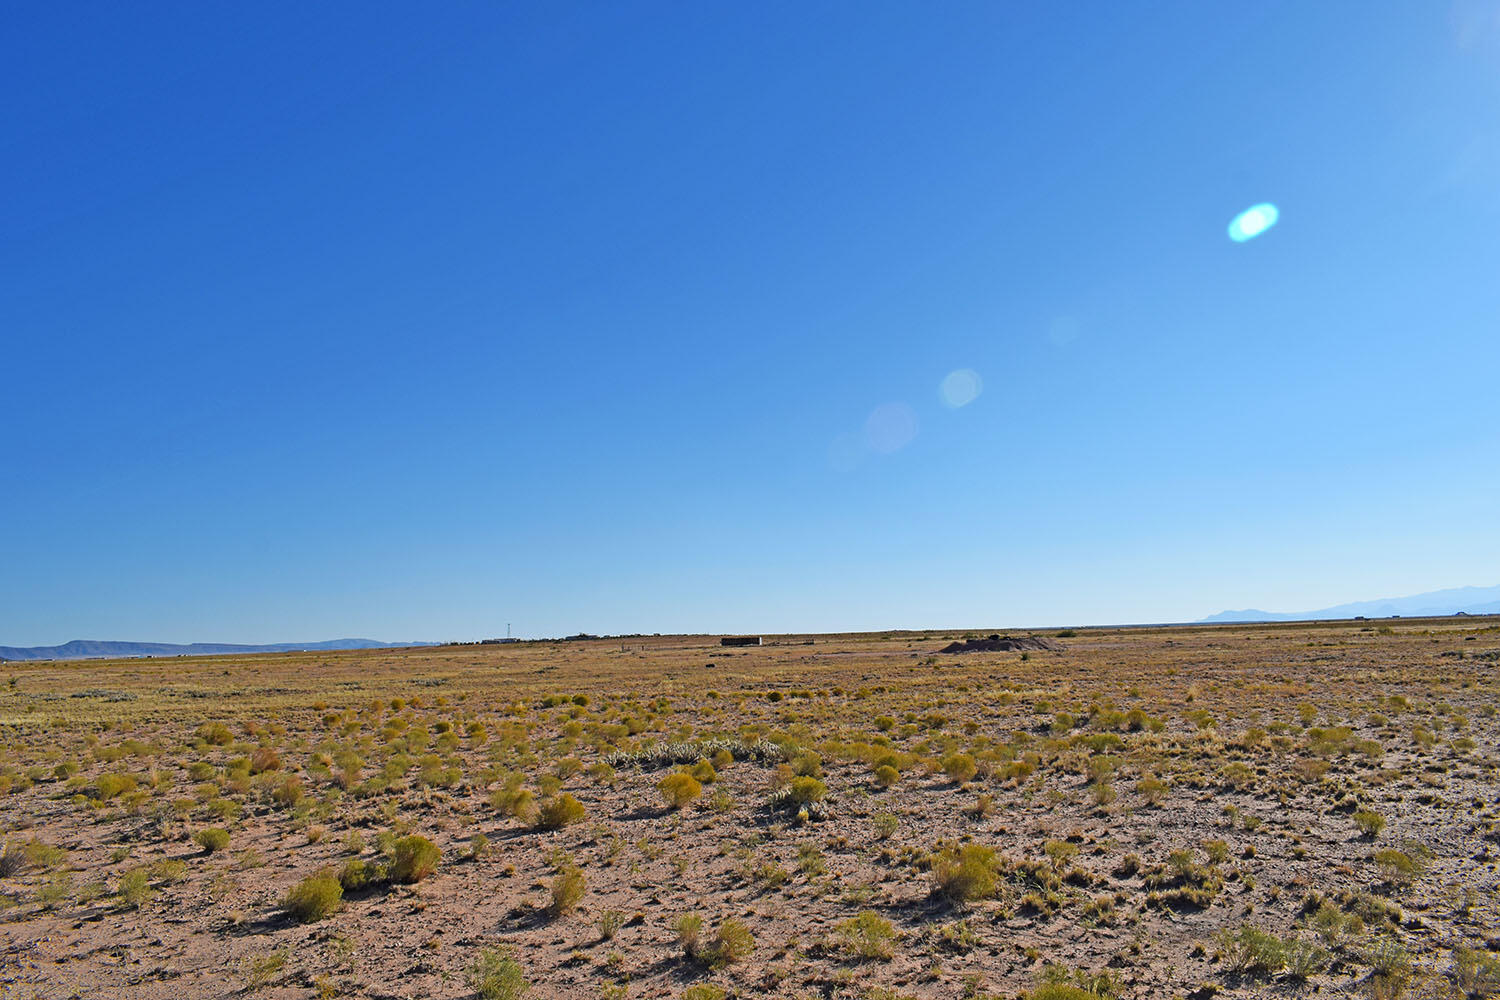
[(740, 640)]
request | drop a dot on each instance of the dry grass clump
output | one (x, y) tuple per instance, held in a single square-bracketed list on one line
[(689, 931), (732, 942)]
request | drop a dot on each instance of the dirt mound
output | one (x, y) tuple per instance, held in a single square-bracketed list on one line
[(1000, 644)]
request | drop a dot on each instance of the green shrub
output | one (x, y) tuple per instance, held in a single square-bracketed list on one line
[(1477, 973), (496, 976), (110, 785), (212, 839), (807, 764), (414, 859), (1330, 923), (1387, 957), (679, 789), (513, 800), (1057, 982), (215, 733), (1304, 958), (288, 791), (134, 887), (886, 775), (959, 767), (967, 873), (806, 789), (315, 897), (1250, 949), (703, 991), (58, 887), (567, 891), (355, 875), (260, 970), (1059, 991), (1370, 823), (868, 935), (20, 856), (562, 811), (1398, 866), (1060, 852)]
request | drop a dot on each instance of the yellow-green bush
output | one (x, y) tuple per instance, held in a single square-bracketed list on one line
[(414, 859), (315, 897), (212, 839), (678, 789), (967, 873), (562, 811)]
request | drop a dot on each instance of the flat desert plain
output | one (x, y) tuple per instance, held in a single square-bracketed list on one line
[(1238, 811)]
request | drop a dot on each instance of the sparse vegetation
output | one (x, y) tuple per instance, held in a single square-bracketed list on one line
[(1240, 810)]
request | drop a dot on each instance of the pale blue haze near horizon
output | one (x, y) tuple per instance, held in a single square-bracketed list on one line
[(409, 321)]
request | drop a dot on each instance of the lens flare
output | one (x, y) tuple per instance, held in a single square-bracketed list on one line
[(1253, 221), (960, 388), (890, 427)]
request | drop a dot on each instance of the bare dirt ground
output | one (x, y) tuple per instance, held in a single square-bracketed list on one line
[(1244, 811)]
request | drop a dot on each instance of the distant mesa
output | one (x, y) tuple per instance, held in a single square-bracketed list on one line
[(1434, 604), (96, 649), (1001, 644)]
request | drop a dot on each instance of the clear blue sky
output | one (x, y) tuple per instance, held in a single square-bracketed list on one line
[(412, 320)]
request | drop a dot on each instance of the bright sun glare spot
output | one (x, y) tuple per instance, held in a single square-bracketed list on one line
[(960, 388), (1253, 221)]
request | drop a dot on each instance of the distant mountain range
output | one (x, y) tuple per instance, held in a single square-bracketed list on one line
[(1459, 600), (95, 649)]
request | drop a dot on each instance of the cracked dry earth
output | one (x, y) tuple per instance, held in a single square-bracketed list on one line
[(1242, 811)]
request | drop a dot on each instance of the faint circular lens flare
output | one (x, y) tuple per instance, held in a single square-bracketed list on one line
[(1063, 330), (890, 427), (960, 388), (1253, 221)]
